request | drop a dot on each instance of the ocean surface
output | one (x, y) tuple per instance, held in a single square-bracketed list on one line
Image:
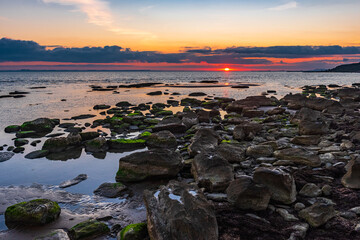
[(67, 94)]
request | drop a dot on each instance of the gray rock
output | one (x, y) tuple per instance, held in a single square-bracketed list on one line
[(110, 190), (37, 154), (72, 182), (4, 156), (318, 214), (96, 145), (232, 152), (257, 151), (299, 206), (163, 139), (299, 232), (58, 234), (286, 215), (204, 141), (299, 156), (352, 178), (310, 190)]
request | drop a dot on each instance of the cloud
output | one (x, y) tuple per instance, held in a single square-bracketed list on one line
[(98, 13), (286, 6)]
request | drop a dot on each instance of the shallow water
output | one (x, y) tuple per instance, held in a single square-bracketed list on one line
[(74, 87)]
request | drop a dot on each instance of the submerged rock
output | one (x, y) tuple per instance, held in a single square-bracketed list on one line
[(37, 154), (137, 231), (4, 156), (243, 193), (72, 182), (88, 229), (180, 211), (58, 234), (110, 190), (35, 212), (96, 145), (149, 164), (12, 129)]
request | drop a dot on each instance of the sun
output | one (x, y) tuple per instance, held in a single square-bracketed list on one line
[(226, 69)]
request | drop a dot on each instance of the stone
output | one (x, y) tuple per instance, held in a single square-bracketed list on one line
[(180, 211), (40, 126), (83, 116), (280, 183), (126, 144), (101, 106), (137, 231), (310, 190), (88, 229), (205, 140), (163, 139), (96, 145), (85, 136), (139, 166), (306, 140), (276, 111), (231, 152), (212, 172), (72, 182), (352, 177), (12, 128), (257, 151), (298, 156), (243, 193), (318, 213), (110, 190), (252, 113), (326, 190), (299, 231), (286, 215), (299, 206), (4, 156), (155, 93), (34, 212), (37, 154), (58, 234), (19, 149), (173, 124)]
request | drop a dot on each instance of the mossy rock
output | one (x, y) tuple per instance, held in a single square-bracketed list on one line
[(126, 144), (110, 190), (136, 231), (89, 135), (40, 125), (56, 144), (35, 212), (127, 175), (12, 129), (164, 113), (20, 142), (88, 229), (27, 134)]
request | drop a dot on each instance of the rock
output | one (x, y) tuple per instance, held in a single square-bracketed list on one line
[(156, 93), (275, 111), (89, 135), (239, 133), (286, 215), (326, 190), (310, 190), (180, 211), (41, 126), (4, 156), (298, 156), (172, 124), (252, 113), (83, 116), (257, 151), (37, 154), (12, 129), (281, 184), (212, 172), (149, 164), (299, 206), (72, 182), (126, 144), (312, 128), (110, 190), (299, 231), (205, 140), (244, 130), (162, 139), (306, 140), (203, 116), (58, 234), (96, 145), (318, 213), (231, 152), (19, 149), (137, 231), (197, 94), (27, 134), (101, 106), (20, 142), (217, 197), (88, 229), (243, 193), (352, 177), (35, 212)]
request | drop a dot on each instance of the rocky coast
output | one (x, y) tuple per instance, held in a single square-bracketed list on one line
[(206, 167)]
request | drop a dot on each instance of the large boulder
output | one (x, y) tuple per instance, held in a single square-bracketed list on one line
[(35, 212), (243, 193), (298, 156), (163, 139), (180, 211), (205, 140), (212, 172), (280, 183), (352, 177), (88, 229), (149, 164), (318, 213), (231, 152)]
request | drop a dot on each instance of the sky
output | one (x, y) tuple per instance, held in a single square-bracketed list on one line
[(257, 35)]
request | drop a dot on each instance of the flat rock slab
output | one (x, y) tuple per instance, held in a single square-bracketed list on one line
[(4, 156)]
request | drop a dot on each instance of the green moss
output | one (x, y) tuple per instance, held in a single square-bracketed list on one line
[(164, 113), (136, 231), (229, 141), (128, 141), (128, 175), (12, 128), (145, 134), (135, 114), (151, 120), (91, 228)]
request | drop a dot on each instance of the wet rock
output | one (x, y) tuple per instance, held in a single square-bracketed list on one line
[(137, 231), (35, 212), (205, 140), (88, 135), (299, 206), (12, 129), (4, 156), (19, 149), (156, 93), (212, 172), (257, 151), (126, 144), (172, 124), (298, 156), (101, 106), (37, 154), (275, 111), (197, 94), (42, 126), (149, 164), (246, 129), (88, 229), (20, 142), (83, 116), (318, 213), (203, 116), (231, 152), (110, 190), (163, 139), (352, 177), (180, 211), (96, 145), (281, 184), (27, 134), (72, 182), (306, 140), (58, 234), (310, 190), (243, 193)]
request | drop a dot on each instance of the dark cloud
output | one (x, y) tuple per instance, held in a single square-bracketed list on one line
[(18, 50)]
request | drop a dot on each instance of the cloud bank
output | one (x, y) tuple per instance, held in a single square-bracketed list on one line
[(286, 6)]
